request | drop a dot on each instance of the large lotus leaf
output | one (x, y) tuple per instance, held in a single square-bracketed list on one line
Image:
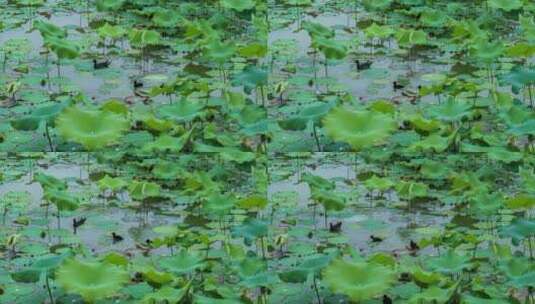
[(238, 5), (183, 262), (112, 183), (141, 190), (166, 18), (506, 5), (379, 183), (226, 153), (143, 38), (62, 199), (451, 110), (31, 122), (433, 142), (527, 24), (503, 155), (109, 5), (410, 190), (253, 50), (379, 31), (251, 229), (91, 280), (519, 229), (62, 47), (311, 264), (434, 169), (360, 129), (486, 203), (219, 52), (434, 18), (521, 201), (49, 181), (299, 2), (451, 262), (376, 5), (167, 143), (407, 38), (183, 111), (94, 129), (111, 31), (317, 30), (49, 30), (312, 113), (467, 299), (330, 48), (168, 170), (200, 299), (330, 200), (317, 182), (359, 281), (520, 271), (257, 202), (432, 295), (166, 294), (488, 51), (219, 204), (519, 77), (251, 78)]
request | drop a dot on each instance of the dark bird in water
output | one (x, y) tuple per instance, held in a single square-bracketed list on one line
[(413, 246), (375, 239), (101, 64), (397, 86), (116, 238), (387, 299), (137, 84), (77, 223), (336, 227), (363, 65)]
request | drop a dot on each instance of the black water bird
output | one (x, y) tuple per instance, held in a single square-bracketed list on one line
[(101, 64), (413, 246), (335, 227), (137, 84), (376, 239), (116, 238), (363, 65), (387, 299), (397, 85), (77, 223)]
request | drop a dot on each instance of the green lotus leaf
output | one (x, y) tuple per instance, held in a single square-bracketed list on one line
[(91, 280), (253, 50), (432, 295), (360, 129), (379, 31), (109, 5), (519, 229), (219, 52), (62, 199), (49, 30), (488, 51), (506, 5), (330, 201), (183, 111), (317, 30), (359, 281), (519, 77), (49, 181), (253, 202), (140, 190), (166, 18), (299, 2), (251, 229), (433, 142), (157, 278), (379, 183), (451, 262), (467, 299), (251, 77), (94, 129), (527, 24), (167, 143), (521, 201), (112, 183), (183, 262), (504, 155), (143, 38), (200, 299), (409, 37), (219, 204), (317, 182), (520, 271), (434, 18), (434, 170), (111, 31), (166, 294), (227, 153), (238, 5), (62, 47), (168, 170), (520, 49), (330, 48), (376, 5), (410, 190), (451, 110), (312, 113), (44, 113)]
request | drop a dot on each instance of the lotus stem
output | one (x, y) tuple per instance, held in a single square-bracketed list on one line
[(47, 283)]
